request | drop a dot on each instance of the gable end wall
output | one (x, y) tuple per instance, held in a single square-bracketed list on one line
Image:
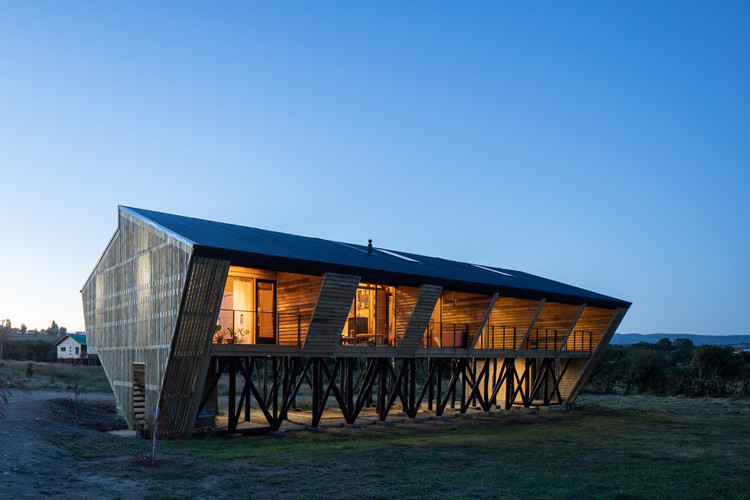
[(131, 302)]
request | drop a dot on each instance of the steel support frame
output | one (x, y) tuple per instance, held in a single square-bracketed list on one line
[(274, 383)]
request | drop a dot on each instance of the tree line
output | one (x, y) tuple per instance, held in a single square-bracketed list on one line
[(670, 368), (54, 328), (29, 350)]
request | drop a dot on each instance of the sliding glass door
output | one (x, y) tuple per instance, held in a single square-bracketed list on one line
[(265, 300)]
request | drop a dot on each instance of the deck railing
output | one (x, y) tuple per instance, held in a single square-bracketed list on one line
[(580, 340), (443, 335), (236, 326), (499, 337), (543, 339)]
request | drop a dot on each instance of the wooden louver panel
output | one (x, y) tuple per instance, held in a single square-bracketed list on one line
[(297, 296), (405, 298), (189, 355), (418, 320), (334, 301), (131, 302)]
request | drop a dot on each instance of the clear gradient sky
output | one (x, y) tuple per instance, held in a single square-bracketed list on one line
[(602, 144)]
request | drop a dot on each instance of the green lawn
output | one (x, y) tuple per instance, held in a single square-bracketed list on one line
[(608, 447)]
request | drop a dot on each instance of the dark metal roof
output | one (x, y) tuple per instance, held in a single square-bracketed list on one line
[(254, 247), (81, 339)]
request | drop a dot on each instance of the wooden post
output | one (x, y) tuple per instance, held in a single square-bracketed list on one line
[(232, 424), (531, 326), (482, 325), (570, 331)]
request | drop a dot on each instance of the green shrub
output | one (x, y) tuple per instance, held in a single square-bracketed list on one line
[(671, 368)]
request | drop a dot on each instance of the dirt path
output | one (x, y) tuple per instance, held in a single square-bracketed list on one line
[(32, 462)]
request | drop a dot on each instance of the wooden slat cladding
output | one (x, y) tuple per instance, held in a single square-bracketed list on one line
[(406, 299), (329, 316), (418, 320), (572, 375), (552, 326), (298, 295), (465, 309), (588, 331), (509, 321), (189, 356), (131, 302), (614, 322)]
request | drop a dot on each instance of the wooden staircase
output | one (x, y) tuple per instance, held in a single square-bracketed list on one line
[(139, 394)]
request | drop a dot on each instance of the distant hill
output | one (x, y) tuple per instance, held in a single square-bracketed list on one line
[(652, 338)]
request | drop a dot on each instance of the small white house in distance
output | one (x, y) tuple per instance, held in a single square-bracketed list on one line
[(71, 346)]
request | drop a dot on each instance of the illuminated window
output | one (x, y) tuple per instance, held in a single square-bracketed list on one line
[(369, 317)]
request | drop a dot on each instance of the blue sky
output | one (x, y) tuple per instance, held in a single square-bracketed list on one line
[(602, 144)]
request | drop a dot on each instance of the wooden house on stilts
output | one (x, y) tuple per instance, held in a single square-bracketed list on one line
[(174, 302)]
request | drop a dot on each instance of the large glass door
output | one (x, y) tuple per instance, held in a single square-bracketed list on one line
[(265, 300)]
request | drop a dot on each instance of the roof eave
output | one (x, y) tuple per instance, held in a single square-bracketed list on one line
[(275, 263)]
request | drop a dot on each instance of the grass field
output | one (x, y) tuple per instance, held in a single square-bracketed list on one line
[(608, 447), (37, 375)]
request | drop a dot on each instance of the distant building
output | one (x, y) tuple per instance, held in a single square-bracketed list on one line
[(71, 346)]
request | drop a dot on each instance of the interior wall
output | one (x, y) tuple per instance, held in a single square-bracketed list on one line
[(589, 329), (464, 310), (552, 326), (509, 321)]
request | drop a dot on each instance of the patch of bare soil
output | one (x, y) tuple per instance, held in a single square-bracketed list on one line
[(33, 462), (94, 415)]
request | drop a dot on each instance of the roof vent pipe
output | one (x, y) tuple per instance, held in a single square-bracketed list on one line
[(369, 246)]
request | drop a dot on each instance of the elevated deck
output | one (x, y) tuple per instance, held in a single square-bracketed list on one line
[(344, 351)]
